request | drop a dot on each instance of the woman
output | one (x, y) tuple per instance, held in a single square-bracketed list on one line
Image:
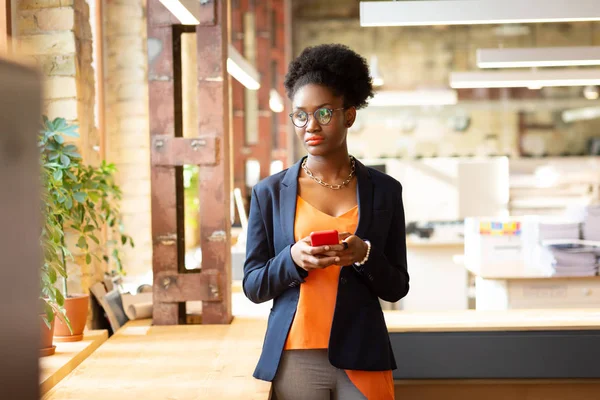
[(326, 336)]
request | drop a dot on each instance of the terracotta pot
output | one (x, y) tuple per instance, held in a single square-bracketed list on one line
[(76, 308), (46, 347)]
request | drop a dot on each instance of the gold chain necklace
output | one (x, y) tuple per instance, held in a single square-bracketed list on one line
[(328, 185)]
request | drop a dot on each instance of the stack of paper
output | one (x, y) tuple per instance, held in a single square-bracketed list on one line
[(558, 230), (565, 263), (570, 258), (591, 223)]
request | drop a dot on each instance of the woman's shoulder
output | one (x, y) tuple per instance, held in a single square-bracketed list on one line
[(270, 183), (384, 180)]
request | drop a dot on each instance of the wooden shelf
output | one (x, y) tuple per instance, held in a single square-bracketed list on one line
[(68, 356)]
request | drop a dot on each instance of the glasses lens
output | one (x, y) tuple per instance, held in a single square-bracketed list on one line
[(323, 116), (299, 118)]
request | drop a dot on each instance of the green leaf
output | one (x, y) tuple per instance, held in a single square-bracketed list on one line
[(62, 272), (58, 174), (68, 203), (73, 154), (59, 139), (52, 275), (94, 238), (59, 123), (66, 161), (94, 196), (53, 157), (49, 314), (71, 131), (80, 196), (60, 299), (88, 258), (123, 239), (82, 243), (89, 228)]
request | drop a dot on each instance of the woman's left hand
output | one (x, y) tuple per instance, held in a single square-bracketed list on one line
[(355, 252)]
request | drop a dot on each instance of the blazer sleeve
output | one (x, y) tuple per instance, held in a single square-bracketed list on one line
[(386, 272), (266, 275)]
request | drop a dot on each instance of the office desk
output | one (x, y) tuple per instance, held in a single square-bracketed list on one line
[(513, 354)]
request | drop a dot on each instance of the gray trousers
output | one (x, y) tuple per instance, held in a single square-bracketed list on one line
[(308, 375)]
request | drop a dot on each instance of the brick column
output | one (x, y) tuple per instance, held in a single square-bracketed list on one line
[(56, 34), (127, 129)]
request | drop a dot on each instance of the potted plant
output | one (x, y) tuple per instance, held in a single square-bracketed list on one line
[(84, 200), (51, 240)]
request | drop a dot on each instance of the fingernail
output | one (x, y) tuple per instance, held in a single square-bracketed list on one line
[(326, 247), (337, 259)]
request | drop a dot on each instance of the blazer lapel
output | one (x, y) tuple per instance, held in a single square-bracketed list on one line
[(287, 201), (365, 199)]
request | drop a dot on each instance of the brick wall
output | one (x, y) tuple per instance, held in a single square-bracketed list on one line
[(127, 129), (56, 34)]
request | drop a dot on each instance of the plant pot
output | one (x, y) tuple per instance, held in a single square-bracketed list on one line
[(76, 307), (46, 346)]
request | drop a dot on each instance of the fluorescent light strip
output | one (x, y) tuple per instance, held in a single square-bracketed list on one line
[(275, 101), (469, 12), (581, 114), (182, 10), (535, 78), (237, 66), (414, 98), (242, 70), (538, 57)]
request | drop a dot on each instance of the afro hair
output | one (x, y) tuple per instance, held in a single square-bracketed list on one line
[(335, 66)]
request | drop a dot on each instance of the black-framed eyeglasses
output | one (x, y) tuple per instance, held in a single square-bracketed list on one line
[(323, 116)]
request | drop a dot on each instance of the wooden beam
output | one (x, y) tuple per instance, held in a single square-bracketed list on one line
[(199, 286), (208, 13), (170, 151), (164, 203), (215, 181)]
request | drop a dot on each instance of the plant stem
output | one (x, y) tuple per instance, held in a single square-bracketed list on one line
[(62, 254)]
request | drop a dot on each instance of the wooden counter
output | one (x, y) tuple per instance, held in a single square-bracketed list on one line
[(466, 355), (509, 320), (511, 354), (172, 362), (67, 357)]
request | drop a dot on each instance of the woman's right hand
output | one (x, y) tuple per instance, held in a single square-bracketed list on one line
[(308, 257)]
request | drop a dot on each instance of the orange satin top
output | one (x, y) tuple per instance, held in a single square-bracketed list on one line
[(312, 324)]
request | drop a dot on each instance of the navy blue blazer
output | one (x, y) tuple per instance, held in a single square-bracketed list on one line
[(359, 338)]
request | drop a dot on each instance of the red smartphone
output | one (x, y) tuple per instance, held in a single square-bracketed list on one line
[(323, 238)]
